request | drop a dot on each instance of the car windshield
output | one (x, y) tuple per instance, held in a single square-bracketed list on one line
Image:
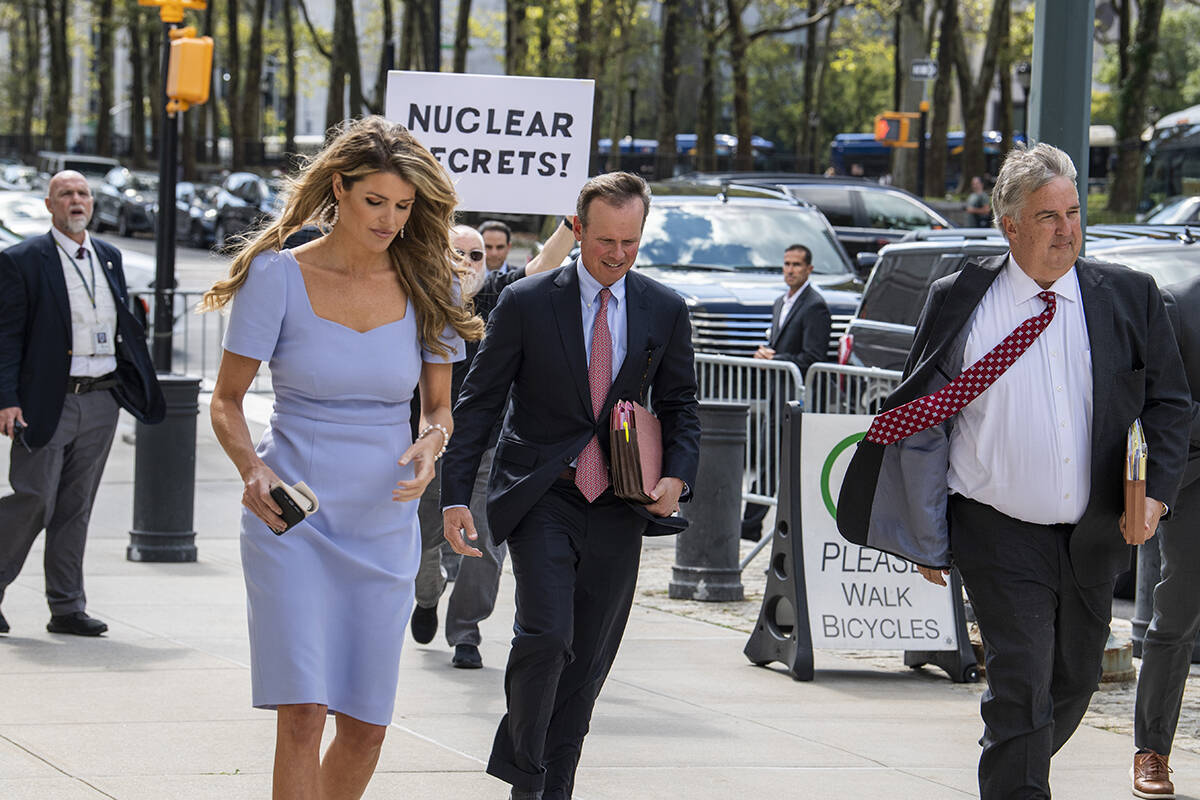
[(726, 236), (1167, 265)]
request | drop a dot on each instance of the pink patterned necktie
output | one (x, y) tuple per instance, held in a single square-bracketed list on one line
[(591, 476), (932, 409)]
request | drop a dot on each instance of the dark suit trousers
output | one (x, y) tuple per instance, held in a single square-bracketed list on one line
[(1043, 637), (54, 488), (1167, 649), (576, 567)]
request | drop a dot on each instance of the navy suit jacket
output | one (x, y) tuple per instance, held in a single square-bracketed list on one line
[(35, 338), (1182, 300), (893, 497), (802, 338), (534, 346)]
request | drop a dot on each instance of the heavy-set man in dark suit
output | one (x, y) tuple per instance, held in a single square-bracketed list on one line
[(1022, 489), (70, 353), (800, 317), (570, 343), (1167, 648)]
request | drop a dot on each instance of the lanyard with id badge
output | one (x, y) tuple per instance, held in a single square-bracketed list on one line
[(100, 335)]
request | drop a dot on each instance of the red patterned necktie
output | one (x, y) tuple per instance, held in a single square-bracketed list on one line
[(932, 409), (591, 476)]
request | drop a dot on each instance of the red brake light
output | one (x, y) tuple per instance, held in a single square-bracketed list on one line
[(845, 347)]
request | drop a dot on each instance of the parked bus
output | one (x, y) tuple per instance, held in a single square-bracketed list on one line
[(638, 155), (1172, 159), (848, 149)]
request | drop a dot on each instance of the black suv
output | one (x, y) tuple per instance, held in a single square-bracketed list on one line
[(865, 214), (722, 250), (881, 334)]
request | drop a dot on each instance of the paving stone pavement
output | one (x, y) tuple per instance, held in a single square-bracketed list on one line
[(159, 707)]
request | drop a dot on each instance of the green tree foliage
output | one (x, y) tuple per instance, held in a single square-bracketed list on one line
[(1175, 69)]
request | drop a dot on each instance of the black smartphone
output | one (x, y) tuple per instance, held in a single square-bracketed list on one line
[(292, 513), (19, 435)]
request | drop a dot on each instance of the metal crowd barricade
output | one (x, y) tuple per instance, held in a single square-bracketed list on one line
[(766, 387), (197, 340), (844, 389)]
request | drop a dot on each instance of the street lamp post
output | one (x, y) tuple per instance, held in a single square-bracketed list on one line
[(1024, 80)]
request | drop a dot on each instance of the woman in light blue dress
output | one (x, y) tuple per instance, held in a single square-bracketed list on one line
[(350, 324)]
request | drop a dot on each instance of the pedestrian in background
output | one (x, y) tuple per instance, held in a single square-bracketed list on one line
[(979, 205), (71, 355), (350, 323), (1171, 637), (497, 241), (1004, 450), (568, 345), (477, 583)]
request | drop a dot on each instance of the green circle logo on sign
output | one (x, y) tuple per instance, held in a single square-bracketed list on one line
[(827, 469)]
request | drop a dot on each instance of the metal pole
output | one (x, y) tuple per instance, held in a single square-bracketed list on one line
[(921, 149), (1061, 111), (164, 244), (706, 554)]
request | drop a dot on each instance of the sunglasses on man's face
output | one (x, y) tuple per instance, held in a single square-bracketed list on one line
[(474, 255)]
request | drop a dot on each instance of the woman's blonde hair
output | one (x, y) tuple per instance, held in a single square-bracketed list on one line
[(424, 260)]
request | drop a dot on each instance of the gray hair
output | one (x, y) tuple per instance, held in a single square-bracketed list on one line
[(1026, 169)]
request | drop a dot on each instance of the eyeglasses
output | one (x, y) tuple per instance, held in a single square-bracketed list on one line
[(474, 255)]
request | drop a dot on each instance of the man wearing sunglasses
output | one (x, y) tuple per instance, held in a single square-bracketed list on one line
[(474, 595)]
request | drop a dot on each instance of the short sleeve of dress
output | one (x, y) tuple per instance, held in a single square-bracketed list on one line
[(256, 313), (452, 341)]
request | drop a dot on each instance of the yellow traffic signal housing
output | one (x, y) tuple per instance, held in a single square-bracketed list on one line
[(189, 73), (895, 128)]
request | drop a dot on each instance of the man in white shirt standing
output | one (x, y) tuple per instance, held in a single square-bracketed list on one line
[(71, 353), (1003, 453)]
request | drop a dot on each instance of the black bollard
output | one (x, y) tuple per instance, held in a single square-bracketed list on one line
[(164, 478), (1149, 573), (706, 554)]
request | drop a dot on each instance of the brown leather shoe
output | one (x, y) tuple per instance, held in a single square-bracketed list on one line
[(1152, 776)]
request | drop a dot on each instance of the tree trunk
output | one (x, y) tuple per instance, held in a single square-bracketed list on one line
[(515, 41), (31, 50), (206, 121), (408, 30), (386, 58), (939, 125), (1004, 76), (1131, 109), (738, 45), (462, 35), (233, 67), (59, 106), (975, 96), (544, 41), (152, 30), (807, 131), (137, 90), (706, 121), (822, 87), (104, 77), (431, 36), (252, 99), (668, 88), (613, 32), (289, 61), (339, 67), (910, 44)]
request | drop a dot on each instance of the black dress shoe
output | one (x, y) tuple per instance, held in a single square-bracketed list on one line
[(3, 624), (78, 623), (466, 656), (518, 794), (424, 624)]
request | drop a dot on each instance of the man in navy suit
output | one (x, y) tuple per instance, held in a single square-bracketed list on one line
[(800, 318), (569, 344), (70, 353)]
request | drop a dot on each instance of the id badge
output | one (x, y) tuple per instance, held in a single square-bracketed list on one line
[(103, 343)]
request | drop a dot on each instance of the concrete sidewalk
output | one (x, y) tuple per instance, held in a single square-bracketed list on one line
[(159, 708)]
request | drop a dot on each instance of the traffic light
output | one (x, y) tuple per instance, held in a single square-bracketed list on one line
[(189, 72), (895, 128)]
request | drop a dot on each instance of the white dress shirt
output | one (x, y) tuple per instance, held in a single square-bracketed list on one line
[(589, 297), (1024, 445), (87, 318), (789, 300)]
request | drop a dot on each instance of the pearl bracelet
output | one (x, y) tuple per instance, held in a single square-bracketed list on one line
[(445, 437)]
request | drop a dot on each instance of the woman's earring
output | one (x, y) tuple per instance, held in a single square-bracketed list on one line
[(401, 231), (329, 215)]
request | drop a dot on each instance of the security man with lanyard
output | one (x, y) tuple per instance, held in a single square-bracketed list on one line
[(71, 353)]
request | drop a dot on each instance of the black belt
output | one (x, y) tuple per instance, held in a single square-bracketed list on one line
[(83, 385)]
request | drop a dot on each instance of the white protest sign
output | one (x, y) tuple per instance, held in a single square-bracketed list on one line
[(512, 144), (859, 598)]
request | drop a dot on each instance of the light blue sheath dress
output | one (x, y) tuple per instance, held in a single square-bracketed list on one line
[(329, 600)]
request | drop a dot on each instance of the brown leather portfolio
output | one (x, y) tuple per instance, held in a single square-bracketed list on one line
[(635, 436)]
